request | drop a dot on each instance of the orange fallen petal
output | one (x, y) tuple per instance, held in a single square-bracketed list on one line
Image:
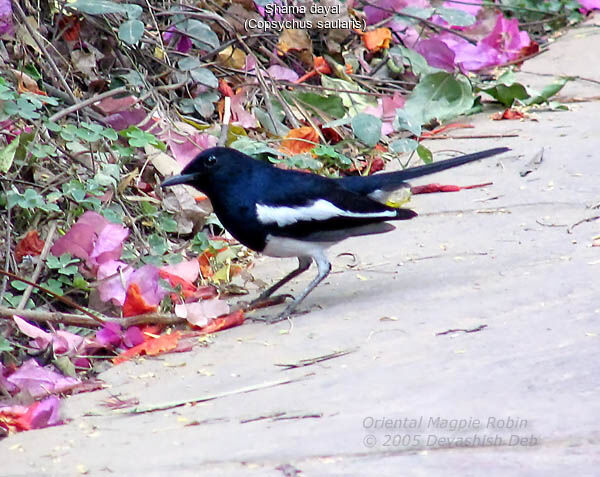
[(223, 322), (151, 347), (135, 303), (509, 114), (322, 66), (378, 39), (31, 244), (446, 127), (187, 289), (225, 89), (299, 140)]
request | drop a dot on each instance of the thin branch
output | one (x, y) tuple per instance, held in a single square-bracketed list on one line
[(64, 299), (87, 102), (84, 321), (51, 62)]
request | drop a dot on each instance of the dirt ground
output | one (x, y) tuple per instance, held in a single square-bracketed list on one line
[(513, 390)]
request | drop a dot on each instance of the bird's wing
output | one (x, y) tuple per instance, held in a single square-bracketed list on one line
[(324, 212)]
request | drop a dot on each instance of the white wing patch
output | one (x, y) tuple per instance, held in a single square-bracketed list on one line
[(318, 210)]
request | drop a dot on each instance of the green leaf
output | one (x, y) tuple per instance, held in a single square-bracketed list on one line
[(54, 286), (203, 104), (204, 76), (158, 245), (456, 17), (354, 103), (131, 31), (425, 154), (201, 34), (97, 7), (265, 120), (167, 224), (423, 13), (405, 121), (189, 63), (405, 56), (508, 94), (252, 147), (548, 91), (65, 366), (18, 285), (7, 154), (367, 128), (331, 104), (440, 96), (5, 345), (133, 11), (404, 145)]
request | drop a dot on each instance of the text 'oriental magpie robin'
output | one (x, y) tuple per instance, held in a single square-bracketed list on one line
[(286, 213)]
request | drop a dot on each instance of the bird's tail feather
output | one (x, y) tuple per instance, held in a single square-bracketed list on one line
[(389, 181), (426, 169)]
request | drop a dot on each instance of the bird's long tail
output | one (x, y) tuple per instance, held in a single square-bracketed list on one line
[(391, 180), (426, 169)]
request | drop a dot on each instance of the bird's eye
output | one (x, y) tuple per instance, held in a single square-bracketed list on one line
[(211, 161)]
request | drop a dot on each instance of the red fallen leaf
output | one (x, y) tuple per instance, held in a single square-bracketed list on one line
[(135, 303), (27, 87), (292, 145), (223, 322), (331, 135), (205, 268), (377, 165), (528, 51), (446, 127), (377, 39), (431, 188), (71, 28), (151, 347), (31, 244), (508, 114), (225, 89), (149, 330), (187, 289), (320, 66)]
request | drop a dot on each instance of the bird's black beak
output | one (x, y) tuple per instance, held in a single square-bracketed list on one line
[(179, 179)]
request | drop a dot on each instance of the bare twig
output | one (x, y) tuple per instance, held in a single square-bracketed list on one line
[(80, 320), (87, 102), (310, 361), (64, 299), (51, 62), (457, 330), (210, 397), (582, 221)]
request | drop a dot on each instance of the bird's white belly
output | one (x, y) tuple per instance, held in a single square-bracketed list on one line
[(288, 247)]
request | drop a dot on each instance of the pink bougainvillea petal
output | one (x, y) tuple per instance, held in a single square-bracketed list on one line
[(437, 53), (113, 288), (37, 381)]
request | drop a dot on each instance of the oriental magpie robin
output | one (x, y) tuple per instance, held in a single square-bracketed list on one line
[(286, 213)]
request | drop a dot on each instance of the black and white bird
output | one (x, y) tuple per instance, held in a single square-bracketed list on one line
[(286, 213)]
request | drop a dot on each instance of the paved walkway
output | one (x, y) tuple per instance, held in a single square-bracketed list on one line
[(518, 397)]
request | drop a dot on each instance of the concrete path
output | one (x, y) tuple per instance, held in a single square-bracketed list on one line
[(515, 394)]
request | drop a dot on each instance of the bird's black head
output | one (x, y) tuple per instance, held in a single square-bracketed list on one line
[(201, 168)]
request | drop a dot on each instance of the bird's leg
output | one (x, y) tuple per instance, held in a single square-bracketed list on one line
[(324, 267), (303, 265)]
